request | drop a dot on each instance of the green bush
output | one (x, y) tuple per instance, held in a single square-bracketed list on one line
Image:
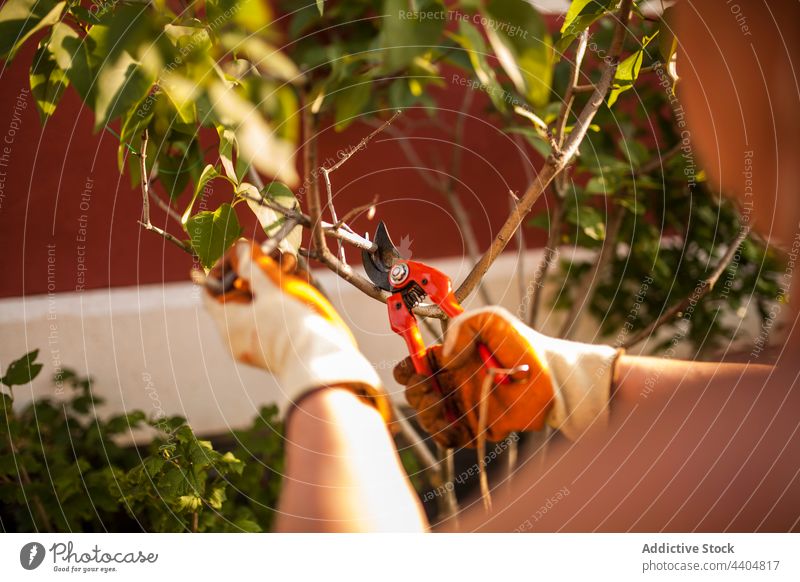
[(62, 469)]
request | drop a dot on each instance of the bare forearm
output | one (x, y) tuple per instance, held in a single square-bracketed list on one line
[(637, 378), (342, 470)]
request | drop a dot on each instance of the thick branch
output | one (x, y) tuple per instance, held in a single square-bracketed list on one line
[(555, 162), (705, 288)]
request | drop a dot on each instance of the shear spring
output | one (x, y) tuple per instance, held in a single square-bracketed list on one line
[(412, 295)]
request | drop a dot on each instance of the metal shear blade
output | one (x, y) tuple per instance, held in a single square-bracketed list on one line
[(377, 264)]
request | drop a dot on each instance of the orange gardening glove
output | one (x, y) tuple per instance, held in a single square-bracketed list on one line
[(567, 384)]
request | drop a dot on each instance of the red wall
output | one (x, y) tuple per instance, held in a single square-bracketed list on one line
[(44, 192)]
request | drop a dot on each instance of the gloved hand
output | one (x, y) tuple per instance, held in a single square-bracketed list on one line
[(567, 385), (273, 318)]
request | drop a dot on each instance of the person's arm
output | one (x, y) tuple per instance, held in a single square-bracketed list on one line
[(342, 470), (343, 473), (637, 378)]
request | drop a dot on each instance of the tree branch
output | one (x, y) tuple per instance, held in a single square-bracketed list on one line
[(549, 257), (588, 286), (556, 161), (705, 288), (146, 195), (569, 97), (363, 143), (310, 163)]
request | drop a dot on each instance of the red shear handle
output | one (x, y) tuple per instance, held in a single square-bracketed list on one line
[(404, 323), (452, 308)]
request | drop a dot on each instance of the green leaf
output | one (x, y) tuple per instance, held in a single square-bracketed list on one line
[(189, 502), (258, 143), (472, 42), (19, 19), (75, 55), (48, 80), (23, 370), (176, 161), (521, 42), (209, 173), (133, 123), (252, 15), (350, 102), (227, 139), (269, 219), (182, 93), (628, 71), (217, 497), (247, 525), (580, 16), (267, 58), (405, 35), (211, 233), (321, 6), (126, 75)]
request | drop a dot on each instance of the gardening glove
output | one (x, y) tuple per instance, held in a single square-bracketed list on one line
[(273, 318), (566, 386)]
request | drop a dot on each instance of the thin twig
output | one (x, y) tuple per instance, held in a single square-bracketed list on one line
[(353, 212), (169, 210), (556, 161), (145, 221), (448, 508), (363, 143), (587, 287), (341, 232), (548, 258), (483, 410), (183, 245), (255, 178), (569, 96), (145, 177), (658, 161), (288, 226), (310, 163), (705, 288)]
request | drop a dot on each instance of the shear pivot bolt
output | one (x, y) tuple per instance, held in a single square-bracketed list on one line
[(398, 274)]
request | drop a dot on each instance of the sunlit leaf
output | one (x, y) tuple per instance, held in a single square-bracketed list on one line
[(258, 143), (271, 220), (472, 42), (628, 71), (211, 233), (48, 80), (521, 42), (580, 16), (20, 19)]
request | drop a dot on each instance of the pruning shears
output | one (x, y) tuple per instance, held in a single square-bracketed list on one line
[(409, 282)]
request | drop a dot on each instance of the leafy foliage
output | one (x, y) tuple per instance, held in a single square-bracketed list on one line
[(62, 467), (170, 80)]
